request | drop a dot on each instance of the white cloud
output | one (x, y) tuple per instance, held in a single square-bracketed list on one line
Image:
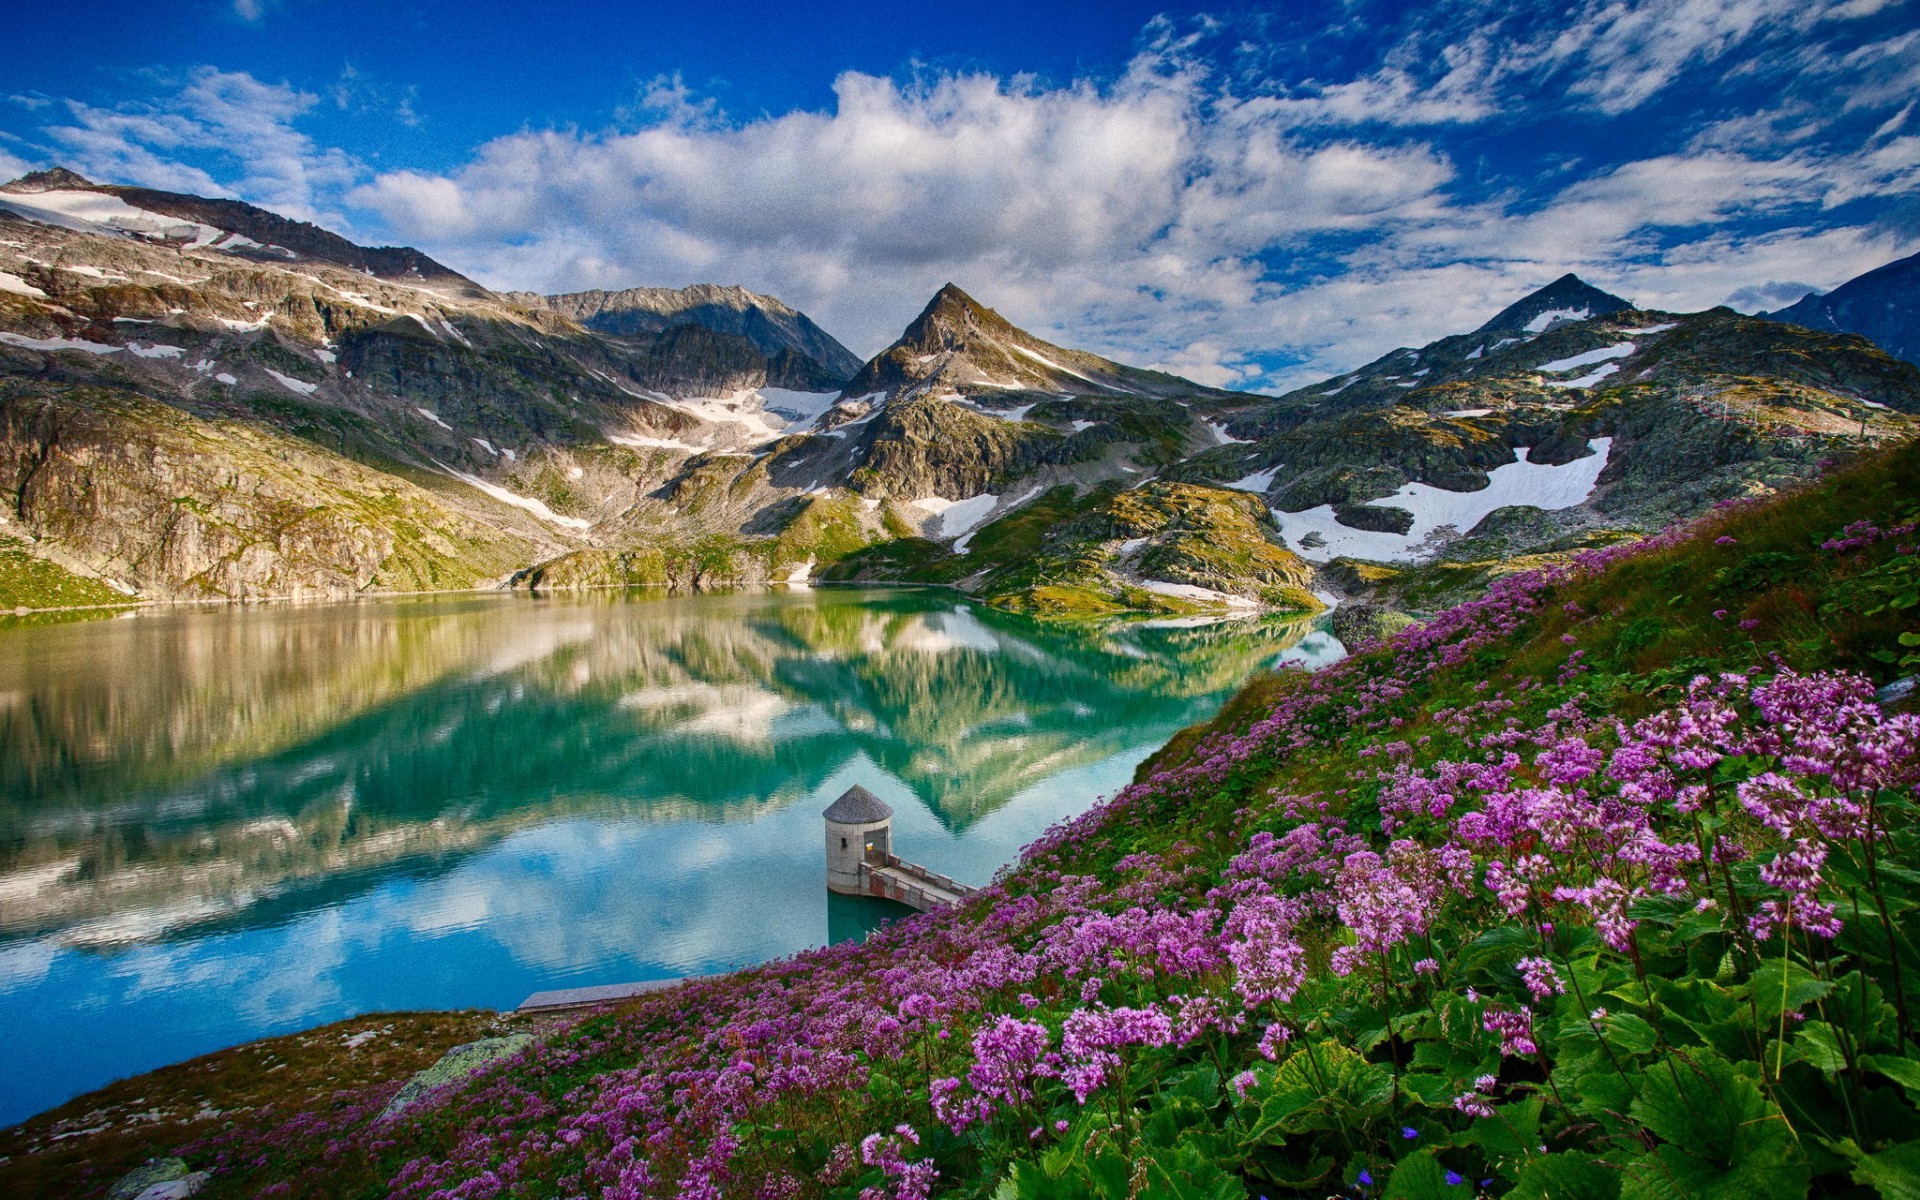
[(226, 116), (1622, 52), (1148, 196), (1179, 215)]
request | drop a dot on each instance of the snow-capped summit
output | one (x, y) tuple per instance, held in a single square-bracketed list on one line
[(1568, 298), (69, 200)]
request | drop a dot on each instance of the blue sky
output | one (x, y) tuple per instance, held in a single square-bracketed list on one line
[(1255, 195)]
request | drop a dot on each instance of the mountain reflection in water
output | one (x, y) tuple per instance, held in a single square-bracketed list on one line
[(217, 825)]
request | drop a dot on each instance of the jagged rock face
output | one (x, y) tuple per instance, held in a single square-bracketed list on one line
[(1882, 305), (929, 447), (690, 359), (166, 505), (1568, 298), (808, 355), (959, 345)]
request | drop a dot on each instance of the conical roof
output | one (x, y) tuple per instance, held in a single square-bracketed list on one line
[(857, 807)]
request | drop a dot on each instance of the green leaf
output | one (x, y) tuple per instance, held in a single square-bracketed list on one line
[(1893, 1172), (1184, 1173), (1200, 1082), (1429, 1088), (1511, 1134), (1170, 1117), (1496, 947), (1628, 1033), (1903, 1071), (1420, 1176), (1819, 1047), (1857, 1005), (1566, 1176), (1782, 985), (1722, 1140), (1323, 1086)]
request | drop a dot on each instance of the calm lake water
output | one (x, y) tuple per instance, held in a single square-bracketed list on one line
[(217, 825)]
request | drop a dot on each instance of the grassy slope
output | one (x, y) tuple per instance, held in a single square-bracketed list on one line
[(1626, 640), (1055, 556), (34, 583)]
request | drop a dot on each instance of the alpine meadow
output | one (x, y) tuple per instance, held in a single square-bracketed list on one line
[(1341, 581)]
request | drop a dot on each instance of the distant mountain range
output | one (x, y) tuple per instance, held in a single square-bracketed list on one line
[(770, 325), (1882, 305), (200, 399)]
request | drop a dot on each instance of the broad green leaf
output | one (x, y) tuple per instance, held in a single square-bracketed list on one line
[(1323, 1086), (1819, 1046), (1171, 1115), (1429, 1088), (1421, 1176), (1200, 1082), (1893, 1172), (1722, 1140), (1628, 1033), (1512, 1133), (1566, 1176), (1781, 985), (1496, 947), (1903, 1071), (1857, 1005), (1183, 1173)]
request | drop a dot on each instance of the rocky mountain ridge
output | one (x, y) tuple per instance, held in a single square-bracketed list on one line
[(229, 225), (771, 326), (1882, 305), (181, 420)]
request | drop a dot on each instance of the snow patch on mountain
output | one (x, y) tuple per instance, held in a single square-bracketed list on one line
[(800, 409), (1548, 318), (1585, 381), (1259, 481), (952, 518), (97, 212), (1521, 482), (58, 343), (537, 507), (1051, 365), (1188, 591), (1603, 354), (297, 386)]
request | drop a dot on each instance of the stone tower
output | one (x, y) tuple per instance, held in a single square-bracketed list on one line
[(856, 823)]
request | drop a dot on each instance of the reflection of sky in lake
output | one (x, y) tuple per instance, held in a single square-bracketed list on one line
[(457, 804)]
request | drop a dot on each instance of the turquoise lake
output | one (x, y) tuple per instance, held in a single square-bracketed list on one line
[(227, 823)]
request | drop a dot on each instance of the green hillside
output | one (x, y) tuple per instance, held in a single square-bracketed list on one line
[(1602, 885)]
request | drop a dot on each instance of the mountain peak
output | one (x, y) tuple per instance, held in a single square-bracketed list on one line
[(950, 318), (967, 347), (1568, 298), (1879, 305), (53, 179), (770, 324)]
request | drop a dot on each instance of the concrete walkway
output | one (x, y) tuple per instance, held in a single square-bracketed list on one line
[(897, 880)]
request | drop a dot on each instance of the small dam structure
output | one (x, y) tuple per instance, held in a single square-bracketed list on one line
[(861, 861)]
